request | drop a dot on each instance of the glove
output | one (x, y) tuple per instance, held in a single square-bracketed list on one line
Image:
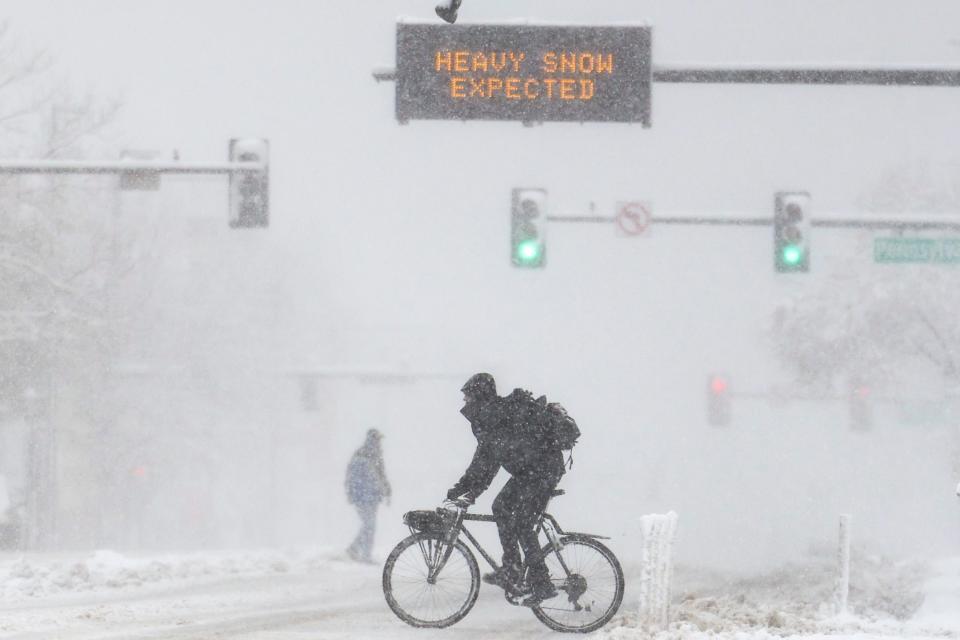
[(456, 504), (455, 494), (465, 499)]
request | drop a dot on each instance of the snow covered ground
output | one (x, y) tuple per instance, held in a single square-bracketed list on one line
[(315, 594), (887, 599)]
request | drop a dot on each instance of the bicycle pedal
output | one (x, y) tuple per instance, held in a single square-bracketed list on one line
[(515, 595)]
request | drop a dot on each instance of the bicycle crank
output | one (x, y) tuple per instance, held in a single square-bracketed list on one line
[(516, 593)]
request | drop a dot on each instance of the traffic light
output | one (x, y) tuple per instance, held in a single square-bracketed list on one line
[(718, 400), (250, 190), (791, 232), (861, 409), (528, 228)]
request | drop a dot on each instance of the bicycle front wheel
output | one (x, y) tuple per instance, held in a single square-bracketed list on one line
[(421, 601), (590, 585)]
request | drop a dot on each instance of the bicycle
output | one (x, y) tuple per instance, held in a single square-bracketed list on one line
[(432, 579)]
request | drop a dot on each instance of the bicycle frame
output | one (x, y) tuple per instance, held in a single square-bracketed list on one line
[(547, 525), (444, 536)]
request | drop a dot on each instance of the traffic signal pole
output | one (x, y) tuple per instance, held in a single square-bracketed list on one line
[(20, 167), (883, 77), (898, 224), (40, 526), (247, 168)]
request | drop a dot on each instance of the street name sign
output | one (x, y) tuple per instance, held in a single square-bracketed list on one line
[(523, 72), (916, 250)]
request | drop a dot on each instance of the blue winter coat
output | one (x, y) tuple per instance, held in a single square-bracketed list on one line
[(366, 481)]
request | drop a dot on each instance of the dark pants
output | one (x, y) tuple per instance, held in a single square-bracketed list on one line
[(362, 544), (517, 509)]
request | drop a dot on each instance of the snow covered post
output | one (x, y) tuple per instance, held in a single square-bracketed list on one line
[(659, 531), (843, 566)]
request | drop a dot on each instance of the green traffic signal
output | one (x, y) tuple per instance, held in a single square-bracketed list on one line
[(792, 255), (528, 219), (529, 252), (791, 232)]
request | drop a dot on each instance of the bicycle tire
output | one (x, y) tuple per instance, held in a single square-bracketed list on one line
[(583, 554), (430, 594)]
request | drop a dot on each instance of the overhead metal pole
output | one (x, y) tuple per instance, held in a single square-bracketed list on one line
[(886, 77), (13, 166), (916, 77), (901, 224)]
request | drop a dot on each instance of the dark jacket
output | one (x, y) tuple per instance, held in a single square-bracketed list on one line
[(503, 428), (366, 481)]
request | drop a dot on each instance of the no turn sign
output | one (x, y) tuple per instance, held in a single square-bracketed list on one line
[(633, 218)]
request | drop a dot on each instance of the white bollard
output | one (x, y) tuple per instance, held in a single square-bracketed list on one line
[(842, 592), (656, 576)]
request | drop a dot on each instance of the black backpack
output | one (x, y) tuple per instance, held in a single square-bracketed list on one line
[(545, 424), (562, 428)]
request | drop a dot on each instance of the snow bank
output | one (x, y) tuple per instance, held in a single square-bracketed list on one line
[(941, 606), (905, 599), (30, 576)]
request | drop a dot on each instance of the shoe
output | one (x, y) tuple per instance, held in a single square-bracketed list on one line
[(495, 578), (506, 577), (541, 591)]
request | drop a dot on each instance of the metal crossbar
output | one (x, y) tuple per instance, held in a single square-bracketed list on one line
[(917, 77), (21, 167), (732, 221)]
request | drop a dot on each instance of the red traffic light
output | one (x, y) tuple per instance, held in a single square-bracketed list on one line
[(719, 410), (862, 392), (718, 384)]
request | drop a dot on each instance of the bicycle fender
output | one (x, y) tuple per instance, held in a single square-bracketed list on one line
[(573, 535)]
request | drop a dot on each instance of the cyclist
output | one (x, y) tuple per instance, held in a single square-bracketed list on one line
[(505, 432)]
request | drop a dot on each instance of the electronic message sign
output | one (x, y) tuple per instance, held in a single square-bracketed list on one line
[(524, 72)]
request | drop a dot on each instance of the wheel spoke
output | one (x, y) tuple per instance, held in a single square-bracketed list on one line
[(590, 571), (417, 600)]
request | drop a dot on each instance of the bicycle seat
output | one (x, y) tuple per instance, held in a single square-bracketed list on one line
[(557, 492)]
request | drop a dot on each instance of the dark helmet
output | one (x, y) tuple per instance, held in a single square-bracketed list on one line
[(480, 386)]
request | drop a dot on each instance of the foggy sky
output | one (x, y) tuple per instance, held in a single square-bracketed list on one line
[(394, 239)]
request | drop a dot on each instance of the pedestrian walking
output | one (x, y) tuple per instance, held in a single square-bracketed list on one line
[(367, 487)]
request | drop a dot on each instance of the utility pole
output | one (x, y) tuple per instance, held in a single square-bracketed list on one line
[(40, 517)]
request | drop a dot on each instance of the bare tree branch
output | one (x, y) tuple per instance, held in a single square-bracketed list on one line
[(950, 364), (80, 127), (929, 355), (37, 63), (36, 270)]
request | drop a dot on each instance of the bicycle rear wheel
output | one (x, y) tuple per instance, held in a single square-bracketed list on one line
[(590, 594), (416, 599)]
